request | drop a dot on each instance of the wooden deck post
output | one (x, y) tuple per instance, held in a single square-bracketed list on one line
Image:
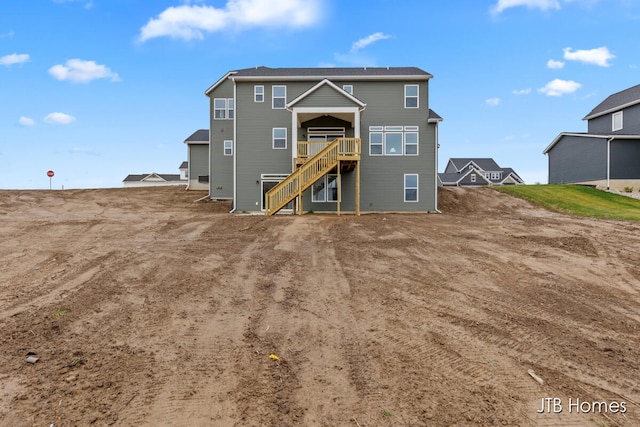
[(357, 187), (339, 189)]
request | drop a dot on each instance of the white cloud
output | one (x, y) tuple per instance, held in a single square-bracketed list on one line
[(26, 121), (59, 118), (555, 65), (493, 102), (14, 58), (559, 87), (526, 91), (189, 22), (366, 41), (8, 35), (503, 5), (599, 56), (80, 71)]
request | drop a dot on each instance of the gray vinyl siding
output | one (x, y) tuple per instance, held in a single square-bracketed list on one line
[(221, 173), (254, 138), (625, 159), (631, 123), (198, 162), (577, 159)]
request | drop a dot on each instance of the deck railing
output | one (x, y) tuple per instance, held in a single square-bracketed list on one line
[(311, 170)]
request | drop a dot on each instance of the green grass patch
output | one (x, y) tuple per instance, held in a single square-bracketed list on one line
[(578, 200)]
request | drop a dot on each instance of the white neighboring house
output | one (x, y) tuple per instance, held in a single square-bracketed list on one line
[(158, 179)]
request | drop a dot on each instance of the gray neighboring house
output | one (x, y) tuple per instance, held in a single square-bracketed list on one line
[(470, 172), (157, 179), (198, 160), (323, 140), (608, 154)]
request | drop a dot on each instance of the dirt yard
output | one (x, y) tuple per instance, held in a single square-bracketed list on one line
[(144, 308)]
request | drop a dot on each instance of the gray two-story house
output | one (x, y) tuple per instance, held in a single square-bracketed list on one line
[(608, 154), (323, 140)]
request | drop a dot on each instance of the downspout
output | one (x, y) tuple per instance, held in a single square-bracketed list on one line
[(609, 161), (235, 149)]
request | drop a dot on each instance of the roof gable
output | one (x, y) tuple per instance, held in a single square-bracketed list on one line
[(331, 85), (482, 164), (617, 101)]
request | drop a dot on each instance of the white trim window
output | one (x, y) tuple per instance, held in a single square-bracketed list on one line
[(411, 140), (616, 121), (230, 108), (376, 138), (393, 138), (410, 187), (279, 141), (411, 95), (220, 109), (258, 93), (348, 89), (495, 175), (473, 177), (278, 97), (228, 147), (325, 189)]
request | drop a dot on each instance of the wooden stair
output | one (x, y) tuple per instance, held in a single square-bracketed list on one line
[(314, 168)]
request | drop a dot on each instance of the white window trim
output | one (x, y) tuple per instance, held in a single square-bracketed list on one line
[(417, 188), (227, 144), (273, 97), (230, 102), (384, 139), (417, 96), (417, 143), (255, 93), (381, 144), (473, 177), (273, 139), (349, 90), (224, 109), (613, 121)]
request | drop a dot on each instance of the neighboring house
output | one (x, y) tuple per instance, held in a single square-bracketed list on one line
[(477, 172), (198, 160), (608, 154), (156, 179), (323, 139)]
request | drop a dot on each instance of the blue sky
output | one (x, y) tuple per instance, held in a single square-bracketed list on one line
[(98, 89)]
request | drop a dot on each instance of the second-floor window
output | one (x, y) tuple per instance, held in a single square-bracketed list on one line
[(279, 138), (258, 93), (411, 93), (393, 140), (616, 120), (228, 148), (279, 97), (223, 109), (348, 89)]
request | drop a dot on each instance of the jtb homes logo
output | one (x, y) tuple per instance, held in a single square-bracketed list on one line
[(555, 405)]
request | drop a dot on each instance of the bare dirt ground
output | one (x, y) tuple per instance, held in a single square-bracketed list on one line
[(147, 309)]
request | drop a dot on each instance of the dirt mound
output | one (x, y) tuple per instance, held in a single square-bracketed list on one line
[(145, 308)]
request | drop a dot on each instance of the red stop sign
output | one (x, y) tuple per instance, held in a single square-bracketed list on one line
[(50, 174)]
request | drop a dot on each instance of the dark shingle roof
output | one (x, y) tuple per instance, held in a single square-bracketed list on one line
[(201, 135), (184, 165), (486, 164), (331, 72), (140, 177), (616, 102), (434, 116)]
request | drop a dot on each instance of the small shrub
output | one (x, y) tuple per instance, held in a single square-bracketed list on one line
[(628, 189)]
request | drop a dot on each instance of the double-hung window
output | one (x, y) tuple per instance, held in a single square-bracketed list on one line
[(228, 148), (258, 93), (279, 141), (411, 140), (279, 97), (376, 136), (410, 187), (220, 108), (411, 96)]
